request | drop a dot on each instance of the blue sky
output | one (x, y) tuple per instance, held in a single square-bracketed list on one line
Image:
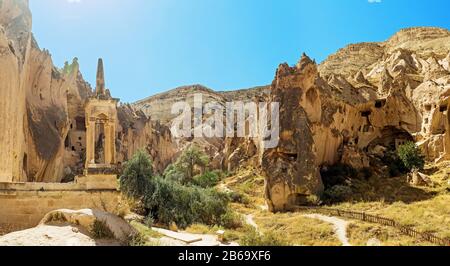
[(150, 46)]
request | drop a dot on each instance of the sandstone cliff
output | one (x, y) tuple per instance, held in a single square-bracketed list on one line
[(366, 98), (361, 102), (15, 44)]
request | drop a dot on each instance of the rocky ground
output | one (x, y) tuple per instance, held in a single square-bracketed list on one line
[(73, 228)]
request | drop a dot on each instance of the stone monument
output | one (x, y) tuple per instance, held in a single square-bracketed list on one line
[(101, 118)]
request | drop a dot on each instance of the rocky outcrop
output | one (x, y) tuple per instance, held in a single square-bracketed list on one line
[(291, 169), (360, 103), (137, 131), (72, 228), (15, 44), (158, 107)]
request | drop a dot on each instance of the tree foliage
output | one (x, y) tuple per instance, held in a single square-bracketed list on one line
[(169, 201), (411, 156), (183, 170)]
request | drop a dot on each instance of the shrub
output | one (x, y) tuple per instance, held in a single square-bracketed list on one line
[(100, 230), (366, 173), (237, 197), (207, 180), (172, 202), (338, 193), (135, 240), (135, 180), (231, 220), (411, 156), (149, 221), (169, 201)]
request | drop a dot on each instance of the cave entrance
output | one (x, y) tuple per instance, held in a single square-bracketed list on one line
[(391, 138)]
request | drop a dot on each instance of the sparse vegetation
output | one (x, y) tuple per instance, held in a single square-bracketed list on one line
[(363, 234), (207, 180), (254, 239), (56, 217), (100, 230)]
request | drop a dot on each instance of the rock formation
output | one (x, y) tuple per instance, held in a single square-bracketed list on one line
[(366, 99), (357, 105)]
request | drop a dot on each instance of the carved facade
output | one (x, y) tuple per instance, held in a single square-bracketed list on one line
[(101, 119)]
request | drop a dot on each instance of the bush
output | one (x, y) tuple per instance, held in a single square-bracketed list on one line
[(135, 240), (149, 221), (231, 220), (411, 156), (135, 180), (237, 197), (173, 202), (366, 173), (169, 201), (338, 193), (207, 180), (313, 200)]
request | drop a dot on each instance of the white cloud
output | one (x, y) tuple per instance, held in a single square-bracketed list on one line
[(370, 1), (73, 1)]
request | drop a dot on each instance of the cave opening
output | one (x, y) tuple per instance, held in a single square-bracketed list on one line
[(391, 138)]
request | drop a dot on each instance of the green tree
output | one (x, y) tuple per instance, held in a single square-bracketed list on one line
[(135, 180), (183, 170), (411, 156)]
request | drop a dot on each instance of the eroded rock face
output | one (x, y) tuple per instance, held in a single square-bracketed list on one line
[(15, 43), (291, 169), (137, 131), (367, 99), (364, 100)]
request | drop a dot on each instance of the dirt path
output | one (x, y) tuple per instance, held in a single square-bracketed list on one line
[(340, 226), (249, 220)]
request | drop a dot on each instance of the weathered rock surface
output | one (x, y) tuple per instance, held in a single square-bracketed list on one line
[(363, 101), (70, 228)]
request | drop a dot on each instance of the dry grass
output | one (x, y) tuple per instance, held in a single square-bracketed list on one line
[(295, 229), (298, 230), (426, 209), (360, 234), (147, 233)]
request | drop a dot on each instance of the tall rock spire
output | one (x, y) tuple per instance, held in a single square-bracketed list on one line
[(100, 87)]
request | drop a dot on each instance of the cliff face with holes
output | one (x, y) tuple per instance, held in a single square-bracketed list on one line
[(35, 101), (353, 108), (359, 104)]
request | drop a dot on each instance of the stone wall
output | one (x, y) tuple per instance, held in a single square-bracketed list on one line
[(23, 205)]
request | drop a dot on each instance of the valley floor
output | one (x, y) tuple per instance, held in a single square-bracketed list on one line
[(423, 208)]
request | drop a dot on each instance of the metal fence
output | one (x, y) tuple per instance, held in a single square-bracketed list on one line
[(379, 220)]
